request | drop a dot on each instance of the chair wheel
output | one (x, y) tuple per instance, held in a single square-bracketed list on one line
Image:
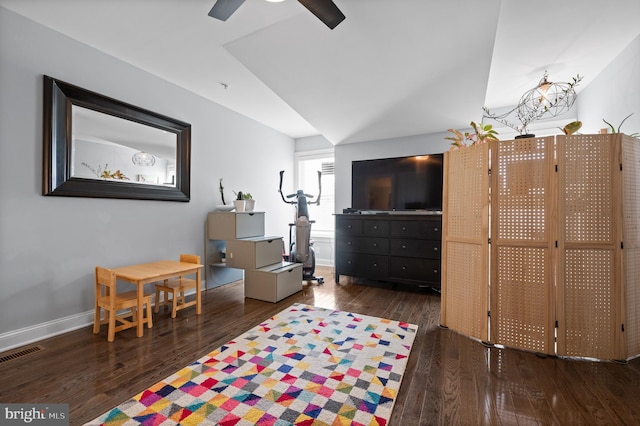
[(320, 280)]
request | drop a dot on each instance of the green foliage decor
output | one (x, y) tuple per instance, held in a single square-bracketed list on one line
[(482, 133)]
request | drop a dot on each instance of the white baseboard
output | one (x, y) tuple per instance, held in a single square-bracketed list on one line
[(35, 333)]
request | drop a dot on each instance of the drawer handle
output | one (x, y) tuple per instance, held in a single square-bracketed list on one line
[(435, 229), (404, 268), (375, 265), (375, 244), (375, 227), (404, 228), (404, 247), (435, 248), (349, 227), (349, 262), (348, 243), (435, 271)]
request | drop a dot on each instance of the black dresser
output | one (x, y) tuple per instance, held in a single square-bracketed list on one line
[(390, 247)]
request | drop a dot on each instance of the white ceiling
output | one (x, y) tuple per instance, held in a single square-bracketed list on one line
[(393, 68)]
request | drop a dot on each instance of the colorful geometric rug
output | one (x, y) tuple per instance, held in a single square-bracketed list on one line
[(304, 366)]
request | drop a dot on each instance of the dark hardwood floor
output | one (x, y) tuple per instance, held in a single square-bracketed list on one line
[(450, 379)]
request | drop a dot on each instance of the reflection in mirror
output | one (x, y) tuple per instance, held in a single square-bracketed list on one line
[(107, 147), (96, 146)]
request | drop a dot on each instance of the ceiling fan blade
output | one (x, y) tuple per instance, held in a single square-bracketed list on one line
[(222, 9), (325, 10)]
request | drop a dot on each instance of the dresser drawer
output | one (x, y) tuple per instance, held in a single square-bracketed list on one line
[(363, 245), (415, 269), (232, 225), (432, 229), (253, 253), (369, 265), (375, 228), (428, 249), (405, 228), (345, 227)]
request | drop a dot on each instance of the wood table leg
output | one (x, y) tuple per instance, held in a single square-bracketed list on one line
[(198, 292), (140, 313)]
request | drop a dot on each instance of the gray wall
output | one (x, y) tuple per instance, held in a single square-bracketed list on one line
[(385, 148), (49, 246)]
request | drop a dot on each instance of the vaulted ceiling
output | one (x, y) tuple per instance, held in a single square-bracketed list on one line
[(392, 68)]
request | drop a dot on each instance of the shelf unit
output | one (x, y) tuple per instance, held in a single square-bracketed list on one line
[(248, 252), (219, 228)]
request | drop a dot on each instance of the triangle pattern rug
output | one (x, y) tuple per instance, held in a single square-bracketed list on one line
[(304, 366)]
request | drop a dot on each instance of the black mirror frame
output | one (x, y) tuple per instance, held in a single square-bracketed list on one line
[(57, 180)]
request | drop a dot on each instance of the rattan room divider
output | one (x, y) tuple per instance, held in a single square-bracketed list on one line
[(465, 252), (560, 217)]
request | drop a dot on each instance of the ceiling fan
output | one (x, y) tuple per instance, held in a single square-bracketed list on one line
[(325, 10)]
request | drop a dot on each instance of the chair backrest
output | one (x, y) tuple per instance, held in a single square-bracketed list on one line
[(190, 258), (106, 284)]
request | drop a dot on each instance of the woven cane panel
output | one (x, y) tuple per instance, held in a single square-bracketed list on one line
[(631, 238), (468, 169), (632, 299), (521, 188), (466, 289), (588, 188), (519, 313), (588, 304)]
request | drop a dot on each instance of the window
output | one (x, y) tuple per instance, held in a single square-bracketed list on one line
[(308, 165)]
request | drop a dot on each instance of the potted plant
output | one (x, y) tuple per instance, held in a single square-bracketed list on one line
[(249, 202), (481, 133), (245, 201), (571, 128), (239, 202), (614, 130)]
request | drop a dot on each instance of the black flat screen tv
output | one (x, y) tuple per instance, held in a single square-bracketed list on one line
[(397, 184)]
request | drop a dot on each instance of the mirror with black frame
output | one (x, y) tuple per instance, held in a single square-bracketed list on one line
[(96, 146)]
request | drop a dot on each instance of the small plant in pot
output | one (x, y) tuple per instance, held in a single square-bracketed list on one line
[(239, 201), (482, 134), (244, 201), (249, 202), (614, 130)]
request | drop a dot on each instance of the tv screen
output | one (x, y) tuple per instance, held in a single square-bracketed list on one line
[(403, 183)]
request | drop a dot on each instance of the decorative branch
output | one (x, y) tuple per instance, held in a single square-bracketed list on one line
[(538, 102), (221, 189)]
